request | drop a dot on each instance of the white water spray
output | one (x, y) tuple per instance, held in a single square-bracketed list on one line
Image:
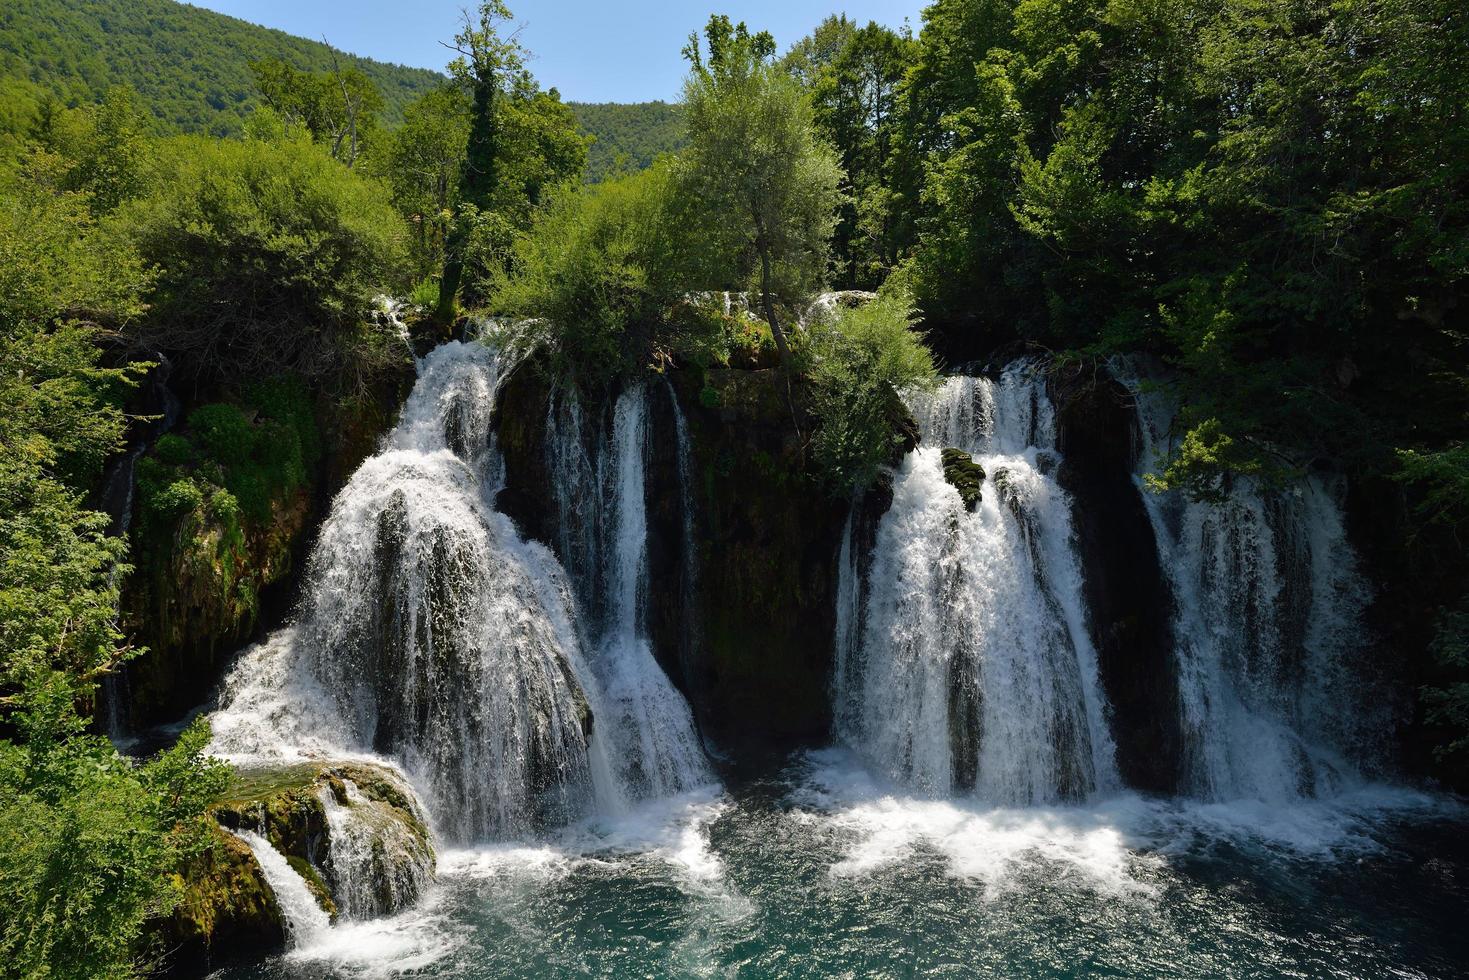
[(1267, 628), (963, 660)]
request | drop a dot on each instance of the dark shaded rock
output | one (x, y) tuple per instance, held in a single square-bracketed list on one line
[(741, 618), (964, 475), (1129, 605), (766, 542)]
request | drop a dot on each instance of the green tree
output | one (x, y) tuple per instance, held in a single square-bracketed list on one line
[(854, 75), (88, 839), (339, 108), (269, 256), (486, 65), (755, 153)]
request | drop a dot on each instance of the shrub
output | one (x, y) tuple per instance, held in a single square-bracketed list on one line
[(862, 360), (222, 431), (603, 265), (269, 254)]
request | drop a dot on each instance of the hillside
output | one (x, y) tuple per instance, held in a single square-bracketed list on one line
[(189, 65), (628, 135)]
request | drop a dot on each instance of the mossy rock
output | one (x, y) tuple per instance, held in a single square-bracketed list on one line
[(964, 475), (226, 911), (285, 806)]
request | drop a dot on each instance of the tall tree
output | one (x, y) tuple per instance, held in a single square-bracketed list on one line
[(853, 75), (338, 107), (755, 154), (486, 65)]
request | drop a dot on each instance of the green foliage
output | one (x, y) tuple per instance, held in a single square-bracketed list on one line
[(1447, 704), (269, 255), (87, 839), (863, 358), (87, 844), (601, 265), (756, 158), (189, 66), (339, 108), (628, 137), (232, 462), (854, 75)]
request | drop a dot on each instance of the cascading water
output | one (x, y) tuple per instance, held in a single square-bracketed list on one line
[(1267, 628), (305, 920), (643, 722), (377, 863), (433, 628), (963, 660), (432, 633)]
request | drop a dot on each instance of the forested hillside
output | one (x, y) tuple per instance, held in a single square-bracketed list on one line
[(629, 136), (189, 65)]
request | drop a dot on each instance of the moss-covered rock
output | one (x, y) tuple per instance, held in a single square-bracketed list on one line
[(226, 911), (964, 475), (299, 809), (223, 510)]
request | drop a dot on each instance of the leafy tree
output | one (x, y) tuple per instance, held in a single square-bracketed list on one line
[(339, 108), (853, 75), (269, 256), (486, 66), (422, 163), (755, 153), (863, 360), (88, 840), (603, 265)]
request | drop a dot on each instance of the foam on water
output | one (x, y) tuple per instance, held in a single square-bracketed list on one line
[(1113, 846)]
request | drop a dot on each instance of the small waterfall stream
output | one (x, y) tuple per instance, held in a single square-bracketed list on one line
[(963, 660), (1267, 629), (602, 519), (305, 920)]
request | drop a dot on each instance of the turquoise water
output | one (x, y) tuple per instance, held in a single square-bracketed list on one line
[(814, 870)]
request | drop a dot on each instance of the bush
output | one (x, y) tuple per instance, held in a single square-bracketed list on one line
[(269, 254), (862, 360), (602, 266), (222, 431), (174, 450)]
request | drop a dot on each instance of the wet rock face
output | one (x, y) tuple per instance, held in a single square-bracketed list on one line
[(353, 831), (742, 607), (226, 913), (1127, 598)]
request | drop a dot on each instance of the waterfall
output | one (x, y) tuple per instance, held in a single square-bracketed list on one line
[(690, 636), (963, 660), (377, 863), (305, 920), (644, 724), (432, 633), (1267, 627)]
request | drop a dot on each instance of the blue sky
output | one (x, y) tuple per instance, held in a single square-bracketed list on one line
[(592, 50)]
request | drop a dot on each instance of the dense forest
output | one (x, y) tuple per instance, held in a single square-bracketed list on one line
[(1270, 197), (630, 136), (189, 66)]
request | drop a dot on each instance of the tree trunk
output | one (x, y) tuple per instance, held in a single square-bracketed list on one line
[(768, 305)]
